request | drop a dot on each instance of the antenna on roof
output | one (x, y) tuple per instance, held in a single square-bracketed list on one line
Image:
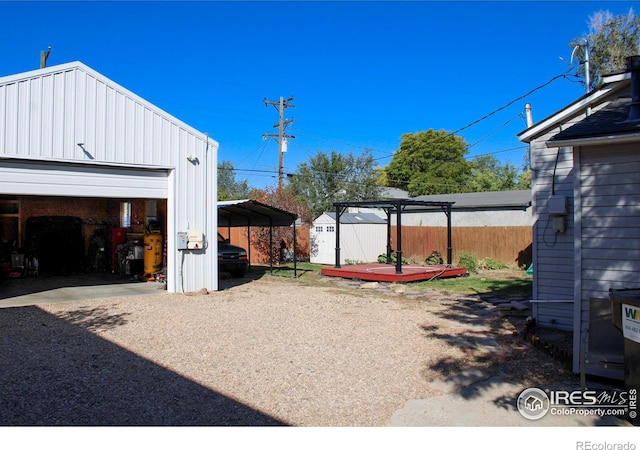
[(44, 56)]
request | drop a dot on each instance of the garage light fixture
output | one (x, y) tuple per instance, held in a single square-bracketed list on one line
[(84, 150)]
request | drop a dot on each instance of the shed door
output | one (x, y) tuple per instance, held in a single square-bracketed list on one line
[(323, 238), (81, 180)]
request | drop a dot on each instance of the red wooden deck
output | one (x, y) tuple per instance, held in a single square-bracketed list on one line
[(387, 272)]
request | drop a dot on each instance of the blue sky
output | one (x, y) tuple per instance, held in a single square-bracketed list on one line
[(361, 73)]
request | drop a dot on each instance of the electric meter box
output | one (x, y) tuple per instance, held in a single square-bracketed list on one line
[(181, 240), (558, 205), (194, 239)]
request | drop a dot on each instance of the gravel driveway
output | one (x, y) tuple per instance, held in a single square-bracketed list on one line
[(269, 352)]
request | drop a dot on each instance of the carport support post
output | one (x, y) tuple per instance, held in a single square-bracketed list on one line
[(270, 246), (398, 238), (249, 243), (295, 257)]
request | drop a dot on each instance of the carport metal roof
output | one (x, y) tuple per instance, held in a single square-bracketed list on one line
[(243, 213)]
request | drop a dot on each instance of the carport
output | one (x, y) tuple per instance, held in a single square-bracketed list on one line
[(251, 213)]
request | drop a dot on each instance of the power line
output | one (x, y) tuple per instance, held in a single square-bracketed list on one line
[(562, 75), (522, 97)]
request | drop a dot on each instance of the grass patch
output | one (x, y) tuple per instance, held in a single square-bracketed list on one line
[(496, 282), (303, 269)]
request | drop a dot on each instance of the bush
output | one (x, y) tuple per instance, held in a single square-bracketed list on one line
[(492, 264), (469, 262), (382, 259), (434, 258), (352, 262)]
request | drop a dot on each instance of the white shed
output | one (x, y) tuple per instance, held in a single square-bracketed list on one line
[(363, 237), (68, 132)]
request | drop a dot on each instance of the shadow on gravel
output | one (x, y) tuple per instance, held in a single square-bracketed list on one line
[(60, 373), (496, 354)]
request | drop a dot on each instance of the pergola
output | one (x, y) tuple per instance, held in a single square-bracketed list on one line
[(397, 207)]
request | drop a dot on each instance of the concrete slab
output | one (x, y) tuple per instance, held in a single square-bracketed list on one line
[(34, 291), (488, 403)]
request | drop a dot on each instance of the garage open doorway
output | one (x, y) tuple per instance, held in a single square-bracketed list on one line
[(55, 243)]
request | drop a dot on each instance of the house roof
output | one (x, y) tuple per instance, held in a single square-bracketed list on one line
[(520, 199), (353, 218), (392, 192), (242, 213), (613, 84), (608, 121)]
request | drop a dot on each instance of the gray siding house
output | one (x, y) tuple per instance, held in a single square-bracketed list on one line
[(585, 161)]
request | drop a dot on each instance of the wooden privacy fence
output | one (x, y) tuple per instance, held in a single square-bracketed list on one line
[(511, 245), (238, 236)]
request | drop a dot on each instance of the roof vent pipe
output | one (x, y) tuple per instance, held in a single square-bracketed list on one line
[(633, 66)]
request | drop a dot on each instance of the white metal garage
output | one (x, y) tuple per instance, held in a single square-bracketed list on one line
[(69, 131)]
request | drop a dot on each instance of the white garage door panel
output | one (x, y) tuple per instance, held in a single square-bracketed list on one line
[(49, 178)]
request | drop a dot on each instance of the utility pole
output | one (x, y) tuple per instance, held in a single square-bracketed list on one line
[(282, 126)]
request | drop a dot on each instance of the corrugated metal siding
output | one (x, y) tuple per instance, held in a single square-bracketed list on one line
[(553, 253), (45, 113), (56, 111)]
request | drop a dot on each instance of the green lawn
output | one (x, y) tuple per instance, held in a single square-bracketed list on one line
[(511, 282), (497, 282)]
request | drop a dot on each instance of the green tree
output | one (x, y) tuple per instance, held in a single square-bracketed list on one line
[(430, 162), (328, 178), (271, 242), (489, 174), (611, 39), (228, 187)]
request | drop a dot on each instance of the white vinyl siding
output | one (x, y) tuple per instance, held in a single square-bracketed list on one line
[(610, 222), (552, 173), (610, 225)]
